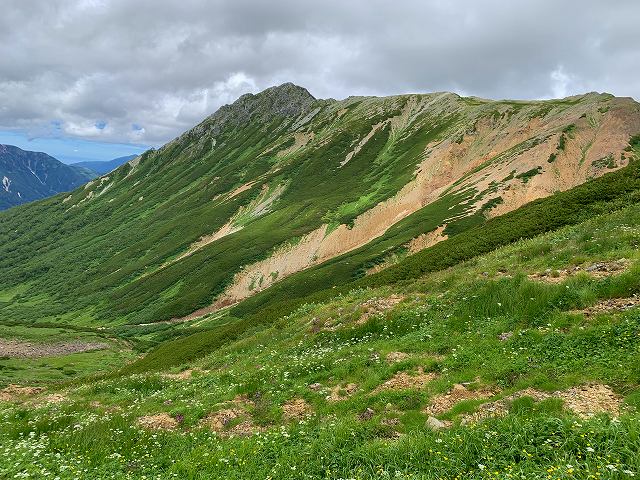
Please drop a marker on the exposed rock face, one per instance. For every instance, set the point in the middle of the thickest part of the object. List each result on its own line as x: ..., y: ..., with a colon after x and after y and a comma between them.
x: 287, y: 101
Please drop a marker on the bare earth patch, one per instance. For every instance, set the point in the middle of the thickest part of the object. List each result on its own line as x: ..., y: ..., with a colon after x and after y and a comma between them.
x: 427, y: 240
x: 585, y: 401
x: 445, y: 402
x: 596, y: 270
x: 20, y: 349
x: 53, y: 399
x: 296, y: 409
x: 611, y: 305
x: 161, y: 421
x: 339, y: 392
x: 231, y: 422
x: 184, y: 375
x: 404, y: 381
x: 14, y: 393
x: 375, y: 306
x: 241, y: 189
x: 395, y: 357
x: 588, y: 400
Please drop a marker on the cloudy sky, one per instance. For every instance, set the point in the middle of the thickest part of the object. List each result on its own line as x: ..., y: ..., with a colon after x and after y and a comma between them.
x: 95, y: 79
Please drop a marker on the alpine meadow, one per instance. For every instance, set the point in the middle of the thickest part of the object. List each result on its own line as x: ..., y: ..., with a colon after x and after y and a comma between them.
x: 415, y: 286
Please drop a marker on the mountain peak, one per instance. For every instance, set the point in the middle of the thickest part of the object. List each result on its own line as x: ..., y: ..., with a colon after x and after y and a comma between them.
x: 286, y: 100
x: 281, y: 101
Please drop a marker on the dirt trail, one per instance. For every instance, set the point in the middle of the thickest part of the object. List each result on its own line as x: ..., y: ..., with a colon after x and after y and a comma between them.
x: 601, y: 269
x: 611, y: 305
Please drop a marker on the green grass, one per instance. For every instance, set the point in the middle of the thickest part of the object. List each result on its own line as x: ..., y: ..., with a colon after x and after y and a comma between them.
x: 62, y: 369
x: 9, y: 294
x: 526, y: 176
x: 456, y: 314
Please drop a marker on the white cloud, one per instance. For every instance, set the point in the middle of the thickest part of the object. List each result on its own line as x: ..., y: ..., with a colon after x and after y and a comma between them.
x: 560, y: 82
x: 163, y: 65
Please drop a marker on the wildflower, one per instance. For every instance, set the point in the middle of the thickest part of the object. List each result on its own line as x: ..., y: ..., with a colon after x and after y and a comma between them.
x: 481, y: 466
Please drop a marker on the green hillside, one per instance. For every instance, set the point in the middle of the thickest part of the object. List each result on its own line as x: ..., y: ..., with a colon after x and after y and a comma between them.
x: 418, y: 287
x: 523, y: 356
x: 265, y: 178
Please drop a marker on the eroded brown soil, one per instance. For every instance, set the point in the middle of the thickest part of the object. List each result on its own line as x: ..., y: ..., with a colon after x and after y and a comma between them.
x: 443, y: 403
x: 404, y: 381
x: 584, y: 400
x: 296, y: 409
x: 13, y: 393
x: 340, y: 392
x: 160, y: 421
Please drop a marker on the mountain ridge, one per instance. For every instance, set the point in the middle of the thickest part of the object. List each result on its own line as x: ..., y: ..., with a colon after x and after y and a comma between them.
x: 280, y: 182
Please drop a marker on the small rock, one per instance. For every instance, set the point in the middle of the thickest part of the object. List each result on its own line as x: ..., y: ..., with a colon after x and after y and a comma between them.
x: 596, y: 267
x: 504, y: 336
x: 315, y: 386
x: 435, y: 424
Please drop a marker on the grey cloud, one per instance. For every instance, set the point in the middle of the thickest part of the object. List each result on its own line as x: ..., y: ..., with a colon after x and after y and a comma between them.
x: 165, y: 64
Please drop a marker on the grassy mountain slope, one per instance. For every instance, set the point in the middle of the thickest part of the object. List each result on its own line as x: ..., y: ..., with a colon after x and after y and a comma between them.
x: 280, y: 182
x: 482, y: 356
x: 530, y: 352
x: 27, y: 176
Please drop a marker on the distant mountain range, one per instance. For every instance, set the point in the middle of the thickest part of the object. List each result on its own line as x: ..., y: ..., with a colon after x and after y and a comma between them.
x: 105, y: 167
x: 28, y: 176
